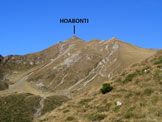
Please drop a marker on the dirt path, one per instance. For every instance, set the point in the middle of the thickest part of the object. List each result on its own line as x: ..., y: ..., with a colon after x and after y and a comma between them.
x: 39, y: 109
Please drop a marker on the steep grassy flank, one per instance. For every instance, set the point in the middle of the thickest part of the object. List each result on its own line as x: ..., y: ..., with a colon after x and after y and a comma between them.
x: 3, y: 84
x: 136, y: 97
x: 1, y: 71
x: 18, y: 107
x: 22, y: 107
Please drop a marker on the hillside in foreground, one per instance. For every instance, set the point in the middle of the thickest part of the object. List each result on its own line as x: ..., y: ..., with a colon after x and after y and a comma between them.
x: 136, y: 97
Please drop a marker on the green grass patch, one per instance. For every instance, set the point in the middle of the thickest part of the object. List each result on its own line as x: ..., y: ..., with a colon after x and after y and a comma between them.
x: 65, y: 111
x: 116, y: 109
x: 143, y: 105
x: 103, y: 108
x: 129, y: 77
x: 131, y: 108
x: 157, y: 75
x: 69, y: 118
x: 129, y: 115
x: 128, y: 95
x: 85, y: 101
x: 148, y: 91
x: 118, y: 80
x: 158, y: 61
x: 96, y: 117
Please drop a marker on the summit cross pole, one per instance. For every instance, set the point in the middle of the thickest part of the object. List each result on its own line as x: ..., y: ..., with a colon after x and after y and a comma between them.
x: 74, y: 29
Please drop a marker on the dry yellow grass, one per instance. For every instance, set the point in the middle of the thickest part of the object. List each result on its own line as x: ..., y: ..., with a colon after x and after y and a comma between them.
x: 78, y: 69
x: 139, y: 94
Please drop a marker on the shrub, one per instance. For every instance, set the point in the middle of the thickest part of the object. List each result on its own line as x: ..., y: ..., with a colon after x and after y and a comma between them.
x: 159, y: 61
x: 103, y: 108
x: 116, y: 109
x: 128, y: 95
x: 148, y: 92
x: 130, y: 77
x: 142, y: 105
x: 66, y: 111
x: 157, y: 75
x: 118, y: 80
x: 84, y: 101
x: 131, y: 108
x: 69, y: 118
x: 129, y: 115
x: 106, y: 88
x: 96, y: 117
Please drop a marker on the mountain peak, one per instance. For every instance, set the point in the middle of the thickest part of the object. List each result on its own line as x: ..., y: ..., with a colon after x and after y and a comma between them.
x: 74, y: 38
x: 114, y: 38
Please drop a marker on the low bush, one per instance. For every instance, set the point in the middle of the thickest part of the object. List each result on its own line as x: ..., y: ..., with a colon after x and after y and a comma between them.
x: 158, y: 61
x: 128, y: 95
x: 130, y: 77
x: 96, y: 117
x: 84, y: 101
x: 106, y: 88
x: 157, y: 75
x: 116, y: 109
x: 69, y: 118
x: 129, y: 115
x: 148, y: 91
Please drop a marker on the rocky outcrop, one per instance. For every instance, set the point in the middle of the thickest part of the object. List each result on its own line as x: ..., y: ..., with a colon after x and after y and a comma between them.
x: 1, y: 58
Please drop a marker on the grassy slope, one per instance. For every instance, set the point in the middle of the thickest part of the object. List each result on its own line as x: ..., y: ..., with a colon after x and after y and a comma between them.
x: 22, y: 107
x: 18, y: 107
x: 138, y: 89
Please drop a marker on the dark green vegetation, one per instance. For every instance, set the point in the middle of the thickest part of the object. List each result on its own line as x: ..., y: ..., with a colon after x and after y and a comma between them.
x: 3, y: 85
x: 158, y: 60
x: 138, y: 72
x: 69, y: 118
x: 18, y: 107
x: 130, y: 77
x: 85, y: 101
x: 22, y: 107
x: 106, y: 88
x: 158, y: 75
x: 148, y: 91
x: 96, y: 117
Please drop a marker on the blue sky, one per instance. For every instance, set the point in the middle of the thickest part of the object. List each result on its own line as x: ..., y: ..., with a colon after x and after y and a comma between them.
x: 28, y: 26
